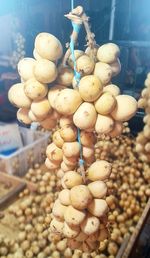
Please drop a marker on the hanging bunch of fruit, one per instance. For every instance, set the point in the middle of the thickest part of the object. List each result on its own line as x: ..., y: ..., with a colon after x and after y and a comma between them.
x: 77, y: 99
x: 143, y: 138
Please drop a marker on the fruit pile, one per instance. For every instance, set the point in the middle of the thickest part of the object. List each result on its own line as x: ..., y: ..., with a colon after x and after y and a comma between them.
x: 94, y: 106
x: 143, y: 138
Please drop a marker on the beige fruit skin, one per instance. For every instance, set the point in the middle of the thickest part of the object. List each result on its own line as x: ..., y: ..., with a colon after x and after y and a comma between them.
x: 90, y: 88
x: 116, y: 67
x: 26, y: 67
x: 105, y: 104
x: 117, y: 130
x: 64, y: 197
x: 74, y: 217
x: 45, y: 71
x: 59, y: 210
x: 88, y: 152
x: 70, y: 161
x: 48, y: 46
x: 57, y: 139
x: 68, y: 133
x: 17, y: 96
x: 112, y: 89
x: 70, y: 232
x: 85, y: 65
x: 90, y: 225
x: 71, y: 149
x: 56, y: 226
x: 104, y: 72
x: 54, y: 153
x: 33, y: 117
x: 108, y: 53
x: 53, y: 92
x: 72, y: 100
x: 88, y: 139
x: 65, y: 76
x: 98, y: 207
x: 126, y: 107
x: 49, y: 122
x: 104, y: 124
x: 51, y: 165
x: 66, y: 167
x: 99, y: 170
x: 80, y: 197
x: 41, y: 108
x: 98, y: 189
x: 77, y: 54
x: 71, y: 179
x: 35, y: 90
x: 36, y: 55
x: 65, y: 120
x: 22, y: 116
x: 85, y: 116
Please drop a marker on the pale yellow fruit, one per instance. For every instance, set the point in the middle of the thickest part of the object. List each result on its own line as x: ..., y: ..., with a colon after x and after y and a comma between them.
x: 85, y: 116
x: 51, y: 165
x: 35, y: 90
x: 33, y: 117
x: 49, y: 122
x: 117, y: 130
x: 74, y: 217
x: 104, y: 72
x: 64, y: 197
x: 45, y: 71
x: 90, y: 88
x: 105, y: 104
x: 71, y: 149
x: 98, y: 207
x: 26, y: 67
x: 68, y: 133
x: 48, y: 46
x: 98, y: 189
x: 126, y: 108
x: 80, y: 197
x: 41, y: 108
x: 36, y: 55
x: 88, y: 152
x: 56, y: 226
x: 54, y: 153
x: 104, y: 124
x: 77, y: 54
x: 116, y: 67
x: 70, y: 161
x: 99, y: 170
x: 66, y: 167
x: 90, y: 225
x: 88, y: 139
x: 71, y: 179
x: 53, y: 92
x: 57, y: 139
x: 65, y: 76
x: 108, y: 53
x: 59, y: 210
x: 112, y: 89
x: 85, y: 65
x: 67, y: 101
x: 17, y: 96
x: 65, y: 120
x: 142, y: 103
x: 70, y: 232
x: 22, y: 116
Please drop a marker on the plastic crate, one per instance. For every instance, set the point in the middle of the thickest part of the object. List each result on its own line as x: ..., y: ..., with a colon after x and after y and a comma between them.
x: 35, y: 143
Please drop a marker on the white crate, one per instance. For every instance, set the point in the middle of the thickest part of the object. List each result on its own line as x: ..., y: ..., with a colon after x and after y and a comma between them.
x: 35, y: 143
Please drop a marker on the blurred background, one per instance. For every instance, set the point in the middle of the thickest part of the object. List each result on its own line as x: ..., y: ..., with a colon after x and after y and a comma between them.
x: 125, y: 22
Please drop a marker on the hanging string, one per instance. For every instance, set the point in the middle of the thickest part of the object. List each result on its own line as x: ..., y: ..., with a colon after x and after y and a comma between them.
x: 72, y: 4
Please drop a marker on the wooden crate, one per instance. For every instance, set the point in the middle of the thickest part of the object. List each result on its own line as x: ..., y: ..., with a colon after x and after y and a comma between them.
x: 129, y: 243
x: 17, y: 185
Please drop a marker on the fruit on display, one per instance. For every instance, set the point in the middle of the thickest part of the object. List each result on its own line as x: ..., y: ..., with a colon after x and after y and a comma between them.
x: 78, y: 116
x: 143, y: 138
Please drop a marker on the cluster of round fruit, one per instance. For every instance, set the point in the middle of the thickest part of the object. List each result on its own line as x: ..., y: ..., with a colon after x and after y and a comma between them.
x: 143, y: 138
